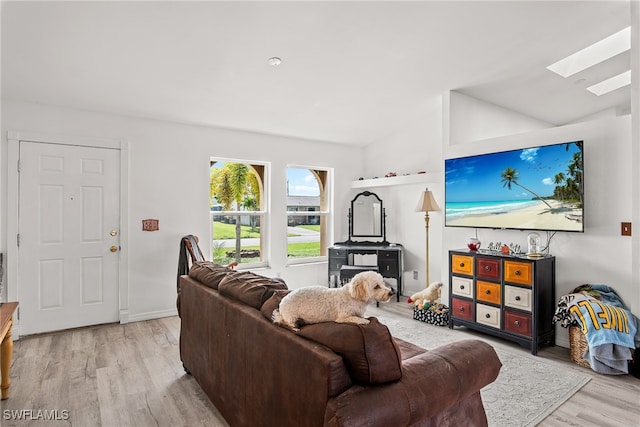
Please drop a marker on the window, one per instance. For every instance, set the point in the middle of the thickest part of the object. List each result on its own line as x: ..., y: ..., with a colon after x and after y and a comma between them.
x: 308, y: 213
x: 237, y: 201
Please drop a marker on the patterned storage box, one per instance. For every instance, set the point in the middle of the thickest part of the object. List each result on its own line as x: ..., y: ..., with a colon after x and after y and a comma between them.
x: 436, y: 314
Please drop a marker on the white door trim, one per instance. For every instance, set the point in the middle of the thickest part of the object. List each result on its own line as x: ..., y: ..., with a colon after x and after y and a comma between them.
x: 13, y: 156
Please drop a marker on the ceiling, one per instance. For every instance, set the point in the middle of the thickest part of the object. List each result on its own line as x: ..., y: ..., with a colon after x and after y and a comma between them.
x: 351, y: 72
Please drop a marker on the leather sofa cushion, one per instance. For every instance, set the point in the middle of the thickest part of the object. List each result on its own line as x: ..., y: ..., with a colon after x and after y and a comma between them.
x: 249, y: 288
x: 208, y: 273
x: 369, y: 351
x: 273, y: 302
x: 407, y: 349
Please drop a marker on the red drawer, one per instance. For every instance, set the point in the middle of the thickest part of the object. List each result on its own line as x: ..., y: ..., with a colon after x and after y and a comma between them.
x: 488, y: 268
x: 462, y: 309
x: 518, y: 323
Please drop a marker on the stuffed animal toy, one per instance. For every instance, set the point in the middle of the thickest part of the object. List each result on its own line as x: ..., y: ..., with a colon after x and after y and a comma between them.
x: 428, y: 295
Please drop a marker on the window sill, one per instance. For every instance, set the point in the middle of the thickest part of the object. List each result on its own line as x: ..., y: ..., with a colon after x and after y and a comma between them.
x: 307, y: 261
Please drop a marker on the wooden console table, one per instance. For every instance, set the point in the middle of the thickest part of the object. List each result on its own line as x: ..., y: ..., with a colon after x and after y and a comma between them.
x: 6, y: 348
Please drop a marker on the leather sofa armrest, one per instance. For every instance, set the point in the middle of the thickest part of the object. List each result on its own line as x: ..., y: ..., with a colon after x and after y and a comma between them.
x: 432, y: 383
x: 449, y: 373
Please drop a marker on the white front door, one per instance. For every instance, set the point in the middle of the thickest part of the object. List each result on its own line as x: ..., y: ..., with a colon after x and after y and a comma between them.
x: 68, y: 224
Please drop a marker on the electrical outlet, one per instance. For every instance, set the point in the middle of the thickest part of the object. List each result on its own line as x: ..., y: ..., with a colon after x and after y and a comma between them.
x: 625, y: 228
x: 415, y: 274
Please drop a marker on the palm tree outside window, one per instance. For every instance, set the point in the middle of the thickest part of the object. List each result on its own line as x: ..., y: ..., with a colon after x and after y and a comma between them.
x: 237, y: 195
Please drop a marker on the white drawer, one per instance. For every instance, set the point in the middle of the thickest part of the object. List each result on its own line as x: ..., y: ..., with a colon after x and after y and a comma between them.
x: 517, y: 298
x: 462, y: 286
x: 487, y: 315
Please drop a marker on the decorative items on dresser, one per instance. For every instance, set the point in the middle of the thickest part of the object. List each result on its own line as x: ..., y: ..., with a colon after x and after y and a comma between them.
x: 511, y: 296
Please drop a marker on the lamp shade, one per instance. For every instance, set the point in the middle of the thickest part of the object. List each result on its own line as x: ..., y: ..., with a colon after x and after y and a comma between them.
x: 427, y: 203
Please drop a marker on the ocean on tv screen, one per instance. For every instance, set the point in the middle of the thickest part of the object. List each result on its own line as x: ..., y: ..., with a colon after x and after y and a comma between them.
x: 537, y: 188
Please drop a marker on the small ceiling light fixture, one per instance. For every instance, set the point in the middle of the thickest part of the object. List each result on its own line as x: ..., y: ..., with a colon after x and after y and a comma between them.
x: 274, y: 61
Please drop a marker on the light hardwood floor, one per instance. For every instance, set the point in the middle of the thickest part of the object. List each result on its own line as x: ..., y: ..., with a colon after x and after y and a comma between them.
x: 131, y: 375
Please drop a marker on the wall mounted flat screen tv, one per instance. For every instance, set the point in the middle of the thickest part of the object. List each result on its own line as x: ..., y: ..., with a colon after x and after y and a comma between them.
x: 537, y: 188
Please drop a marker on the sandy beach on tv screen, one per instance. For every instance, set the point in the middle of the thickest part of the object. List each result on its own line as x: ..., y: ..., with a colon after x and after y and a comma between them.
x: 561, y: 216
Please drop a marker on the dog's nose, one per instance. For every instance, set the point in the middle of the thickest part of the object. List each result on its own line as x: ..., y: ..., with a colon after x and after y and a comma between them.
x: 392, y: 291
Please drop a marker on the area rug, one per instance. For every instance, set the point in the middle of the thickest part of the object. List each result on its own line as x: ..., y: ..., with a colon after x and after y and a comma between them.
x: 528, y: 388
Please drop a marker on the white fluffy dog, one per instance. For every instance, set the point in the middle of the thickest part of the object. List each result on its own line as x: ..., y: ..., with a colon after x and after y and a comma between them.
x: 315, y: 304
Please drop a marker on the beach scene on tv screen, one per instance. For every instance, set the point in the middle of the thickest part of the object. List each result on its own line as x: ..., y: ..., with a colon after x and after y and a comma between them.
x: 537, y: 188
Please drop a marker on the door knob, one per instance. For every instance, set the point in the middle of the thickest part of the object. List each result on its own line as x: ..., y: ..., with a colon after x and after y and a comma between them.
x: 113, y: 233
x: 113, y: 248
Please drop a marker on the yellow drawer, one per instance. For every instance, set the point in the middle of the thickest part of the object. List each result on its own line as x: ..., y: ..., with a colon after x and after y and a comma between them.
x: 518, y: 272
x: 488, y: 292
x: 462, y: 264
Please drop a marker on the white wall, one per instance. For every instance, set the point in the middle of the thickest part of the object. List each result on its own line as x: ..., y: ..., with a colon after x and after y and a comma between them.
x: 635, y: 148
x: 417, y: 147
x: 169, y: 180
x: 599, y: 255
x: 470, y: 119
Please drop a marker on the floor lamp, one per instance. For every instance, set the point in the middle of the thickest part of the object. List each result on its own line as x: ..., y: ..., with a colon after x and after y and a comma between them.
x: 427, y: 204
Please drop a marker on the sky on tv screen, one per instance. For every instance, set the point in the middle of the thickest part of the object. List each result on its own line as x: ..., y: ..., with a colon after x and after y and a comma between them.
x: 475, y: 184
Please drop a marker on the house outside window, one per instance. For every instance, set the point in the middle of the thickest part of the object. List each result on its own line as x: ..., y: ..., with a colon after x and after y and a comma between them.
x: 237, y: 211
x: 308, y: 213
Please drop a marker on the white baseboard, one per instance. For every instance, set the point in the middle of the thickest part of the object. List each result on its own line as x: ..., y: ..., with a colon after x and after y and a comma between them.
x: 152, y: 315
x: 560, y: 342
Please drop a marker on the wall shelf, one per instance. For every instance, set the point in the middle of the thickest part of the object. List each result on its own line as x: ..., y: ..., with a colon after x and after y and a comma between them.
x: 430, y: 177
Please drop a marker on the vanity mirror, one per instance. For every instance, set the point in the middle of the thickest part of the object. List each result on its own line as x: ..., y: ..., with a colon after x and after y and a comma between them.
x: 367, y: 248
x: 367, y: 217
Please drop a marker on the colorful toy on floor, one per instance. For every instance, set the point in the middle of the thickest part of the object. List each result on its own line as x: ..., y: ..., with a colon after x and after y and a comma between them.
x: 429, y: 295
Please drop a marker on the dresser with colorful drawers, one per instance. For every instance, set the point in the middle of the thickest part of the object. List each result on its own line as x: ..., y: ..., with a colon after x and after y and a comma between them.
x: 508, y: 296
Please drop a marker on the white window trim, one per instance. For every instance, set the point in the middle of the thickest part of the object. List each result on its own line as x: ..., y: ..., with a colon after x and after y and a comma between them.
x: 265, y: 213
x: 329, y: 214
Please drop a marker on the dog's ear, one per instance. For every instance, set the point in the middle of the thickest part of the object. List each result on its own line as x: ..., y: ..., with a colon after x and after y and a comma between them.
x: 360, y: 288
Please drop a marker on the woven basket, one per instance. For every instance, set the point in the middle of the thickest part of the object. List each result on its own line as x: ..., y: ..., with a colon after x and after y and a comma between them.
x: 577, y: 346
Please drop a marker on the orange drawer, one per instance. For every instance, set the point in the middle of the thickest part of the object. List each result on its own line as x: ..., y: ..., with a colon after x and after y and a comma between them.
x: 462, y: 264
x: 518, y: 272
x: 488, y: 268
x: 462, y: 309
x: 488, y: 292
x: 518, y: 323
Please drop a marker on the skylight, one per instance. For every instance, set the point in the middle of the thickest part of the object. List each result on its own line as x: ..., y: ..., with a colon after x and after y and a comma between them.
x: 611, y: 84
x: 591, y: 55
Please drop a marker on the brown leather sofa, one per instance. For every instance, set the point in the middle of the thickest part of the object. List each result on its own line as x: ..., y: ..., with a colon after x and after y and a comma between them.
x: 260, y: 374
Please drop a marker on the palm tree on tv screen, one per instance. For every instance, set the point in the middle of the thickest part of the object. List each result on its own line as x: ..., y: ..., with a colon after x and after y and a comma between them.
x: 510, y: 176
x: 569, y: 184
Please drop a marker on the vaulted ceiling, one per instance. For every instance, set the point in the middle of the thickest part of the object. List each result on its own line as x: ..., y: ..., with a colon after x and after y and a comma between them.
x: 351, y: 72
